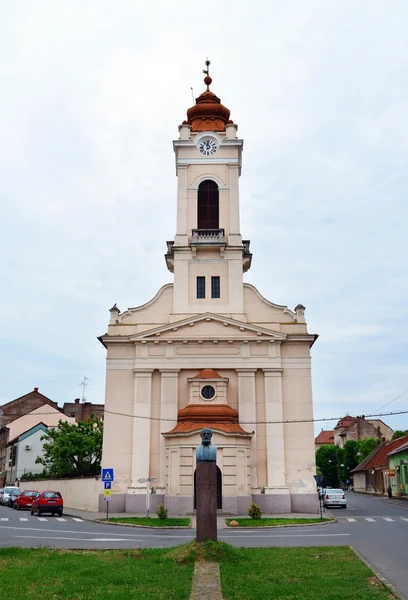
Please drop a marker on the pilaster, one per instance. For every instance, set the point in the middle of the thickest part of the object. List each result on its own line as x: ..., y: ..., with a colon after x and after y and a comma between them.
x: 141, y: 426
x: 275, y: 441
x: 168, y: 414
x: 234, y: 238
x: 247, y: 416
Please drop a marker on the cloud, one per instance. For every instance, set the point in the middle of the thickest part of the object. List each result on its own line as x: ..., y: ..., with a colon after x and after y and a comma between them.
x: 92, y: 97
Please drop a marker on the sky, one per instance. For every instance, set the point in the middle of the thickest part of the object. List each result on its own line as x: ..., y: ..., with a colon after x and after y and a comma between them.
x: 91, y: 97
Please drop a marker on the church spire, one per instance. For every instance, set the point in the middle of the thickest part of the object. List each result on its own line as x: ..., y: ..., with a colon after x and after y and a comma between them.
x: 208, y: 114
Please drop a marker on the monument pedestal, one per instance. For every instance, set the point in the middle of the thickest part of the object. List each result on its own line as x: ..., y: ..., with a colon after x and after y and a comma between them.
x: 206, y: 501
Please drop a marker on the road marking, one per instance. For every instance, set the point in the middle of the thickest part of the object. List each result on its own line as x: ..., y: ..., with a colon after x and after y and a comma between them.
x: 146, y: 537
x: 78, y: 520
x: 61, y: 519
x: 292, y: 535
x: 49, y: 537
x: 404, y: 518
x: 23, y: 519
x: 352, y: 520
x: 370, y: 520
x: 4, y: 519
x: 388, y: 519
x: 41, y: 519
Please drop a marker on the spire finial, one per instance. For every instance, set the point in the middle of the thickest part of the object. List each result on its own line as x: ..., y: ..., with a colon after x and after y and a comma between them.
x: 207, y: 78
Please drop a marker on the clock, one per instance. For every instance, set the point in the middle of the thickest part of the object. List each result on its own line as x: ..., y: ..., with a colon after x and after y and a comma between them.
x: 208, y: 146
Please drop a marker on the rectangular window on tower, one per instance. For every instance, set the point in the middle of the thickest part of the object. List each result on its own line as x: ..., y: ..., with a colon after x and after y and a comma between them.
x: 200, y: 287
x: 215, y: 287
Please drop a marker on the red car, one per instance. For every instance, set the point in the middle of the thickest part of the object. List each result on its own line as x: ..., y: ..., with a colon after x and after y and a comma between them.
x: 50, y: 502
x: 24, y: 500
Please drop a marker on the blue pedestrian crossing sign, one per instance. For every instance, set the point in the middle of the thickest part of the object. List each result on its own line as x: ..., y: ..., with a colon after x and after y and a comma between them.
x: 107, y: 474
x: 107, y: 485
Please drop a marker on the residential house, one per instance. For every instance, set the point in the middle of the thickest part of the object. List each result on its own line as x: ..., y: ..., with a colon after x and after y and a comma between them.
x: 82, y: 411
x: 360, y: 428
x: 325, y: 437
x: 372, y: 475
x: 23, y: 452
x: 398, y: 470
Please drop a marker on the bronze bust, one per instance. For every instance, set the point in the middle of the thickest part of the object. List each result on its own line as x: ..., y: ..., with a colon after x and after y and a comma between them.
x: 206, y: 452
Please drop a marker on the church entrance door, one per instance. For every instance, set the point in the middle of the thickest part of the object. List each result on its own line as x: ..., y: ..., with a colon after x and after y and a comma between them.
x: 219, y: 489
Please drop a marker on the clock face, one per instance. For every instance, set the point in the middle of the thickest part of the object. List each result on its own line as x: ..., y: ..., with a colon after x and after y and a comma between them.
x: 208, y: 147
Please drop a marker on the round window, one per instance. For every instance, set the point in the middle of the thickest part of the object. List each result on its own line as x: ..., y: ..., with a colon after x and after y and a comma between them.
x: 208, y: 392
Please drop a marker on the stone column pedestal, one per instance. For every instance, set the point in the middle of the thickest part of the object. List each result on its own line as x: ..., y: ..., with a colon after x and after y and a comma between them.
x: 206, y: 501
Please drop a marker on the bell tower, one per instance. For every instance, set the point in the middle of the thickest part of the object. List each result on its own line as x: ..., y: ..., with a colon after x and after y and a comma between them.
x: 208, y: 256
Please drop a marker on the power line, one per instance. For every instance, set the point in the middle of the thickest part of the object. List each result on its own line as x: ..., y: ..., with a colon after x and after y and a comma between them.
x: 388, y: 403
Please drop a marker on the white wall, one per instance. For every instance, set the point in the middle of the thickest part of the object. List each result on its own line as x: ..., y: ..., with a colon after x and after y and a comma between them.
x: 81, y: 493
x: 26, y: 458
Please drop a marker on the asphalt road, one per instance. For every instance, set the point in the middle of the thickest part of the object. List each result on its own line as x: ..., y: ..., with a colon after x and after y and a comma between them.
x: 376, y: 527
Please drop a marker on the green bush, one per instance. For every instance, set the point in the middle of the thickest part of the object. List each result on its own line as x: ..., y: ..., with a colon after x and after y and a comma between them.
x: 254, y: 511
x: 162, y: 511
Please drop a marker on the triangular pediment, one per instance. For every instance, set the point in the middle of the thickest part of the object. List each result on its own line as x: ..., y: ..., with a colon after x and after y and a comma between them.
x: 209, y: 326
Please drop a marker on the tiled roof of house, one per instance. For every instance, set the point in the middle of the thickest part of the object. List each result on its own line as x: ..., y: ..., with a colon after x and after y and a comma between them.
x: 378, y: 457
x: 402, y: 448
x: 325, y: 437
x: 207, y: 374
x: 345, y: 421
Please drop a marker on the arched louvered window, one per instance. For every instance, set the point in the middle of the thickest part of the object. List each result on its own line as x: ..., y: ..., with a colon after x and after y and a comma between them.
x: 208, y: 205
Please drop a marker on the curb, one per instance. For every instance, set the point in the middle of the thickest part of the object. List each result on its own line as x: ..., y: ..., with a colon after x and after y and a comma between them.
x: 142, y: 526
x: 379, y: 576
x: 287, y: 525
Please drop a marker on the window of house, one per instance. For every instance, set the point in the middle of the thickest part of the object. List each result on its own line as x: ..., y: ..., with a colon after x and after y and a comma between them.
x: 200, y: 287
x: 208, y: 205
x: 215, y: 287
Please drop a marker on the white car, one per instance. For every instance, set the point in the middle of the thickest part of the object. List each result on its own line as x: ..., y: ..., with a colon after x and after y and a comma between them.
x: 6, y: 493
x: 334, y: 497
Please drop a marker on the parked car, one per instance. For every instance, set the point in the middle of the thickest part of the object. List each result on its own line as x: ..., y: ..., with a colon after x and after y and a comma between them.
x: 12, y: 496
x: 334, y: 497
x: 6, y: 493
x: 25, y: 499
x: 1, y: 493
x: 50, y: 502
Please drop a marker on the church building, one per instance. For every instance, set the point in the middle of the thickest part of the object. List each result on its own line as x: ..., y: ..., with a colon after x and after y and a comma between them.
x: 209, y: 351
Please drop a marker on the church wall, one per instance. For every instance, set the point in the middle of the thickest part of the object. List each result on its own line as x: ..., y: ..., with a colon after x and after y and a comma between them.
x: 259, y: 310
x: 217, y: 268
x: 295, y: 350
x: 117, y: 438
x: 155, y: 311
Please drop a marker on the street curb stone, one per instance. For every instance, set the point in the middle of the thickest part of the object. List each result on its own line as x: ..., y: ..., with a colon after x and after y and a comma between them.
x: 206, y: 582
x: 379, y: 576
x: 283, y: 525
x: 142, y: 526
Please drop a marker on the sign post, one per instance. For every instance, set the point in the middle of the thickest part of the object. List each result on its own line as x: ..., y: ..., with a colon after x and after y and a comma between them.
x: 107, y: 478
x: 147, y: 482
x: 319, y: 482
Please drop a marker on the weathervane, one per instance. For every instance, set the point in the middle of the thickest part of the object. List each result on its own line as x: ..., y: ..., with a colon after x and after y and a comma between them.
x: 207, y: 78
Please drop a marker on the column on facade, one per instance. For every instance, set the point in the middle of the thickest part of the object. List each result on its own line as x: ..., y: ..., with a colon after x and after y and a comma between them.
x: 181, y: 236
x: 275, y: 439
x: 142, y: 402
x: 247, y: 416
x: 168, y: 414
x: 234, y: 225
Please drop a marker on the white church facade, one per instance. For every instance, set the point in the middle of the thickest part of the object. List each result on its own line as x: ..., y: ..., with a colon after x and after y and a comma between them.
x: 209, y: 351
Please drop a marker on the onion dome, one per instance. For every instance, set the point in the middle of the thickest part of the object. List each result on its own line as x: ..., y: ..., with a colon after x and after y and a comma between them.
x: 208, y: 114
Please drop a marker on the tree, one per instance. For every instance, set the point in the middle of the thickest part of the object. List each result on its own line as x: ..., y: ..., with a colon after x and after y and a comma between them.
x: 365, y: 447
x: 397, y: 434
x: 326, y: 461
x: 73, y: 449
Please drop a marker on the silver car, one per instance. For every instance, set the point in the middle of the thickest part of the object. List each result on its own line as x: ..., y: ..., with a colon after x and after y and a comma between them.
x: 6, y: 493
x: 334, y: 497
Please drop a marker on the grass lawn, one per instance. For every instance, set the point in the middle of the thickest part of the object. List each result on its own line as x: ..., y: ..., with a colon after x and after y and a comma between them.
x: 152, y: 522
x: 318, y: 573
x: 92, y: 575
x: 264, y: 522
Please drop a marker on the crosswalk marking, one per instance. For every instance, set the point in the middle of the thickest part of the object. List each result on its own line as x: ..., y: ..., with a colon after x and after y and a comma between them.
x: 4, y: 519
x: 41, y: 519
x: 370, y: 520
x: 352, y: 520
x: 404, y: 518
x: 23, y: 519
x: 388, y: 519
x: 81, y: 520
x: 60, y: 519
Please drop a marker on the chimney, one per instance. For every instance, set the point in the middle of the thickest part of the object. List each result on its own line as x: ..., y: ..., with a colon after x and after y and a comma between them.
x: 36, y: 390
x: 76, y: 400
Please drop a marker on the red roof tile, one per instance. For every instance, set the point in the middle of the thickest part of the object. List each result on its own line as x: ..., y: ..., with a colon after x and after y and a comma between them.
x: 195, y: 417
x: 379, y: 459
x: 325, y: 437
x: 207, y: 374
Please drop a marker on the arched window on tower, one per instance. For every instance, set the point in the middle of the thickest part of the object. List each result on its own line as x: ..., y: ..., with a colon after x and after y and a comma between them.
x: 208, y: 205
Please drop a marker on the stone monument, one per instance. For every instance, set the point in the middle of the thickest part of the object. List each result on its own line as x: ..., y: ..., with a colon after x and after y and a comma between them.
x: 206, y: 488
